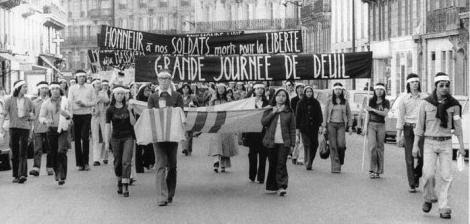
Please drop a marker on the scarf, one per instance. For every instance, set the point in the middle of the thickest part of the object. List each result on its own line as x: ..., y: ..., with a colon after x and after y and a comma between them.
x: 442, y: 107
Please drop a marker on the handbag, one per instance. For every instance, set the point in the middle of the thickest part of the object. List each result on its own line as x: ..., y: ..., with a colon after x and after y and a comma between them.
x: 324, y: 147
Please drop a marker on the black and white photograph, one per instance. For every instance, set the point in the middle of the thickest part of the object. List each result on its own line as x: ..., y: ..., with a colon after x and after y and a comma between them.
x: 234, y: 111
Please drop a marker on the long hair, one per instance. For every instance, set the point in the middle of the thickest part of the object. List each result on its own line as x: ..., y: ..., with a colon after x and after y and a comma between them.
x: 408, y: 89
x: 140, y: 93
x: 286, y: 104
x: 222, y: 96
x: 16, y: 92
x: 341, y: 97
x: 183, y: 86
x: 373, y: 101
x: 113, y: 101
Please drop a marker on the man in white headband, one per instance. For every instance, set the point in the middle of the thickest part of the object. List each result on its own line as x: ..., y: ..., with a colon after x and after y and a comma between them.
x: 20, y: 111
x: 408, y: 108
x: 98, y: 121
x: 165, y: 151
x: 40, y: 132
x: 82, y: 99
x: 438, y: 116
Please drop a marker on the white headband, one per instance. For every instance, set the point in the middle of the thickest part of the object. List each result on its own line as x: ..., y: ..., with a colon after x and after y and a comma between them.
x: 164, y: 75
x: 415, y: 79
x: 96, y: 81
x: 80, y: 74
x: 19, y: 84
x: 54, y: 86
x: 338, y: 87
x: 120, y: 89
x: 379, y: 87
x: 259, y: 85
x: 441, y: 78
x: 42, y: 86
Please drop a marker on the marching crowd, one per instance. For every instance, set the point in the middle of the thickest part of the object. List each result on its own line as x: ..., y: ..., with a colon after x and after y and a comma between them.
x: 73, y: 111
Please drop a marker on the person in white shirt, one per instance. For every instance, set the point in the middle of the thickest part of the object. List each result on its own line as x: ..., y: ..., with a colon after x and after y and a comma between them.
x: 98, y: 122
x: 82, y: 99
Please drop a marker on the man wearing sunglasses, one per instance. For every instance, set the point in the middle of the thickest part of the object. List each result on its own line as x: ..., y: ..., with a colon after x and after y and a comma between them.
x: 439, y: 114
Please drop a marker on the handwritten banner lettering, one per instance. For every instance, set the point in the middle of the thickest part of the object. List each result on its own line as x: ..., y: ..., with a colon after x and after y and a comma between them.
x: 113, y: 58
x: 228, y: 43
x: 256, y: 67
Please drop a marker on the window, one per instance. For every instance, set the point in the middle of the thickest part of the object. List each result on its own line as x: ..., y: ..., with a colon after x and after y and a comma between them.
x: 443, y: 62
x: 150, y: 23
x: 90, y: 32
x: 163, y: 3
x: 184, y: 3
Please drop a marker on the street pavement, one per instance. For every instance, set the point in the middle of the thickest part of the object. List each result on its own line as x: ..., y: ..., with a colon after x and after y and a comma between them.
x: 203, y: 196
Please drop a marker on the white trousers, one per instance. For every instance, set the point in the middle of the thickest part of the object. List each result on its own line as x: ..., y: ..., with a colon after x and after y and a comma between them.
x: 99, y: 152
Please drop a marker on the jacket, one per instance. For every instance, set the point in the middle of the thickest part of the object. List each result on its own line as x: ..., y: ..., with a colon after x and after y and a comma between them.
x: 11, y: 108
x: 309, y: 115
x: 269, y: 121
x: 347, y: 116
x: 175, y: 100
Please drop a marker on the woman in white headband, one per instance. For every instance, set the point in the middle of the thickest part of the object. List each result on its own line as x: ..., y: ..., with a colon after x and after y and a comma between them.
x: 378, y: 109
x: 20, y: 110
x: 337, y: 119
x: 122, y: 137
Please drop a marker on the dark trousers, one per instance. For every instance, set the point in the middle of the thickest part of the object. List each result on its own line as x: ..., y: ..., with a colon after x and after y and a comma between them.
x: 123, y: 151
x: 144, y: 157
x: 413, y: 173
x: 58, y: 145
x: 82, y: 138
x: 19, y: 151
x: 310, y: 141
x: 257, y: 152
x: 277, y: 173
x: 166, y: 169
x: 40, y: 143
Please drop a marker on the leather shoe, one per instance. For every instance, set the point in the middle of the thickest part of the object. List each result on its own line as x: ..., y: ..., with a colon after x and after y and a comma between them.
x: 427, y: 206
x: 16, y: 180
x: 61, y: 182
x: 163, y: 203
x: 445, y: 215
x: 170, y: 199
x: 96, y: 163
x: 34, y: 173
x: 22, y: 180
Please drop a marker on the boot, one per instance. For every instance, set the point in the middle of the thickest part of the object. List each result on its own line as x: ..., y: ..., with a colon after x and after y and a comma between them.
x: 119, y: 191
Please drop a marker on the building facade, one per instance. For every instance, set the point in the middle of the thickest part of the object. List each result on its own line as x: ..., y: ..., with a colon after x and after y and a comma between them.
x: 316, y: 27
x: 30, y: 41
x: 85, y: 18
x: 342, y: 28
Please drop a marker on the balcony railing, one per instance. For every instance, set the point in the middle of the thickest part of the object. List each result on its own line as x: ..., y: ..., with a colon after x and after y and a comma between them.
x: 255, y: 24
x: 441, y: 20
x: 99, y: 13
x: 55, y: 16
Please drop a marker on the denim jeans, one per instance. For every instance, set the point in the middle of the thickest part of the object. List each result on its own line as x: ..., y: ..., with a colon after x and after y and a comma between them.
x: 81, y: 126
x: 277, y: 173
x: 41, y: 142
x: 19, y: 151
x: 58, y: 145
x: 413, y: 171
x: 123, y: 151
x: 166, y: 160
x: 434, y: 150
x: 337, y: 141
x: 375, y: 139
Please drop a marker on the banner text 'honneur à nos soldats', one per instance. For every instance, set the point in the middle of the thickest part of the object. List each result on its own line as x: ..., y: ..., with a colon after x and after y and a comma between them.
x: 256, y: 67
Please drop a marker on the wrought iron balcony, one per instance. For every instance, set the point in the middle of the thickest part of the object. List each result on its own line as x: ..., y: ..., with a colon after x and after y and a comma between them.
x: 55, y: 16
x: 446, y: 19
x: 255, y: 24
x: 99, y: 13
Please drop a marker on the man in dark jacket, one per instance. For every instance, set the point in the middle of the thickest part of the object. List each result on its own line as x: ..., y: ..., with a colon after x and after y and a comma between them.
x: 308, y: 119
x: 165, y: 151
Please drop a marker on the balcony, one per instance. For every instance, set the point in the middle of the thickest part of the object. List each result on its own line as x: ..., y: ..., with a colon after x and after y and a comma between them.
x: 55, y: 16
x: 99, y: 13
x: 255, y: 24
x: 442, y: 20
x: 9, y: 4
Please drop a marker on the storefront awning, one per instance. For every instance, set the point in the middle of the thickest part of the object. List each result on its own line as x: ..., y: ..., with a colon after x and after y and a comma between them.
x: 16, y: 63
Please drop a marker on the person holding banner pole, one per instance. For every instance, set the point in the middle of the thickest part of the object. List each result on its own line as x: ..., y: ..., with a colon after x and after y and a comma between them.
x: 279, y: 138
x: 378, y: 109
x: 439, y: 117
x: 408, y: 108
x: 165, y: 151
x: 337, y: 120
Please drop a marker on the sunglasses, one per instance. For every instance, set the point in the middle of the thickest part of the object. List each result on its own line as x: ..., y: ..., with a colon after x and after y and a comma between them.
x: 442, y: 85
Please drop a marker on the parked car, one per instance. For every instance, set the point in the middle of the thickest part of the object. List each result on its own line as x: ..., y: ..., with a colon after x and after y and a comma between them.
x: 464, y: 102
x: 357, y: 100
x: 391, y: 119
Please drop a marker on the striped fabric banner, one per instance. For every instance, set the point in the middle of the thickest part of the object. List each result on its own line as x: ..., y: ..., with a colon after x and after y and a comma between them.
x: 160, y: 125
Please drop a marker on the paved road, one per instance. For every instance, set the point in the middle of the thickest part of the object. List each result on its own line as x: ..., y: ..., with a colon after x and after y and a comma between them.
x: 206, y: 197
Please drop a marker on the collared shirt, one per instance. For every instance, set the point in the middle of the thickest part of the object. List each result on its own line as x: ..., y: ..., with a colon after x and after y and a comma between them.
x: 430, y: 126
x: 38, y: 126
x: 408, y: 109
x: 86, y: 94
